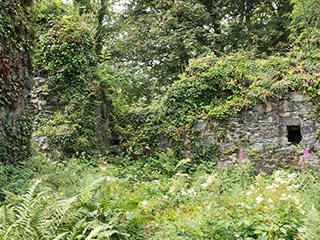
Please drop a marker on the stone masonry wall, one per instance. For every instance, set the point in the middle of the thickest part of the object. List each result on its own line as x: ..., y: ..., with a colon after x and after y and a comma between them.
x: 263, y: 134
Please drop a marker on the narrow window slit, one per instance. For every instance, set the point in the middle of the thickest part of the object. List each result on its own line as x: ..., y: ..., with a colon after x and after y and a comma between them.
x: 294, y: 134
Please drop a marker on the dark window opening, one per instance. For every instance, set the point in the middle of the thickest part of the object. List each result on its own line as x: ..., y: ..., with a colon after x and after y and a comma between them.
x: 115, y: 142
x: 294, y: 134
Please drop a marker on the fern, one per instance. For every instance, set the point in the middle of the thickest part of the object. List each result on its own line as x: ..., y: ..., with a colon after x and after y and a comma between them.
x: 89, y: 186
x: 311, y: 228
x: 39, y: 215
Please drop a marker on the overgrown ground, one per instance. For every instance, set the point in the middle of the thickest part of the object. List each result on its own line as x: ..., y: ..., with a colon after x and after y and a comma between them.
x: 122, y: 199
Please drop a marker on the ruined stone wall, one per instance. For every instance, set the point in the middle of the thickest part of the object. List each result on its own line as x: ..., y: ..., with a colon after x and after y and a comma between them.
x: 15, y: 81
x: 276, y: 133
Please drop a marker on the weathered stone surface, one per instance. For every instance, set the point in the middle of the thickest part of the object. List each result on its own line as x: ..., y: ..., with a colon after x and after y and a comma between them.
x: 164, y: 142
x: 269, y: 107
x: 286, y: 106
x: 257, y: 147
x: 297, y: 97
x: 291, y: 121
x: 280, y: 141
x: 200, y: 125
x: 264, y: 130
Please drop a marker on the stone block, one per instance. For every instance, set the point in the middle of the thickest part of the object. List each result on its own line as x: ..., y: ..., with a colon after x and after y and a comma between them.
x: 290, y: 121
x: 257, y: 147
x: 260, y: 108
x: 250, y: 117
x: 273, y: 119
x: 280, y: 141
x: 297, y: 97
x: 200, y: 125
x: 285, y: 114
x: 269, y: 107
x: 205, y: 141
x: 286, y: 106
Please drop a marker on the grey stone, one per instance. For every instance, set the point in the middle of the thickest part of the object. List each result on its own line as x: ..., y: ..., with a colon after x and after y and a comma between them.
x: 269, y: 107
x: 164, y: 142
x: 260, y: 108
x: 286, y: 106
x: 205, y: 141
x: 200, y: 125
x: 263, y: 128
x: 257, y: 147
x: 280, y: 141
x: 288, y: 121
x: 285, y: 114
x: 297, y: 97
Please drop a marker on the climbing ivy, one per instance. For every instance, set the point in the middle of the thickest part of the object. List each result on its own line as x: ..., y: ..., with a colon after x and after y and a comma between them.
x: 217, y: 88
x: 65, y: 56
x: 15, y: 70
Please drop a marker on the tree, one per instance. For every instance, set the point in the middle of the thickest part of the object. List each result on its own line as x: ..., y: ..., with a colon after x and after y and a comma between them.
x: 158, y: 38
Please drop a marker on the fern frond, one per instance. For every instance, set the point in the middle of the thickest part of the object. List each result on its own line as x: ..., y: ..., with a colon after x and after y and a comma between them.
x: 58, y: 217
x: 79, y: 230
x: 60, y: 236
x: 89, y: 186
x: 311, y: 228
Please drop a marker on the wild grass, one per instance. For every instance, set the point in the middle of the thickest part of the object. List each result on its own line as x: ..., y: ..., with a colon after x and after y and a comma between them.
x: 43, y: 199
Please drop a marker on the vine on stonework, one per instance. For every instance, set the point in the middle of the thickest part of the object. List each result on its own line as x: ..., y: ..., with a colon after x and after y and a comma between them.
x: 15, y: 68
x: 15, y: 47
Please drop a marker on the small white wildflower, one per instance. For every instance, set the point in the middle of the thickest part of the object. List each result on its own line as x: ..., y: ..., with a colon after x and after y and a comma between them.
x: 183, y: 193
x: 270, y: 200
x: 292, y: 176
x: 204, y: 185
x: 191, y: 191
x: 210, y: 179
x: 208, y: 182
x: 283, y: 197
x: 259, y: 199
x: 94, y: 213
x: 110, y: 179
x: 102, y: 168
x: 171, y: 190
x: 145, y: 203
x: 248, y: 193
x: 269, y: 187
x: 280, y: 180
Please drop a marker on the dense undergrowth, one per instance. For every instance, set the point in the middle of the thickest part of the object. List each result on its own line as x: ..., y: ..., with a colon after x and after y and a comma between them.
x: 131, y: 188
x: 123, y: 199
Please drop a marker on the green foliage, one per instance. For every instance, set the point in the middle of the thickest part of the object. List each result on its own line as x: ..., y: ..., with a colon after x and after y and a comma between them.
x: 222, y: 87
x: 41, y: 215
x: 155, y: 200
x: 311, y: 228
x: 157, y: 39
x: 66, y: 52
x: 15, y: 71
x: 305, y: 25
x: 15, y: 146
x: 305, y: 15
x: 65, y: 55
x: 14, y: 55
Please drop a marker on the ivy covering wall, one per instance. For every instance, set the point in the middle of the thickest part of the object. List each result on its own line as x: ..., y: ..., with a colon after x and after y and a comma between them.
x: 15, y: 71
